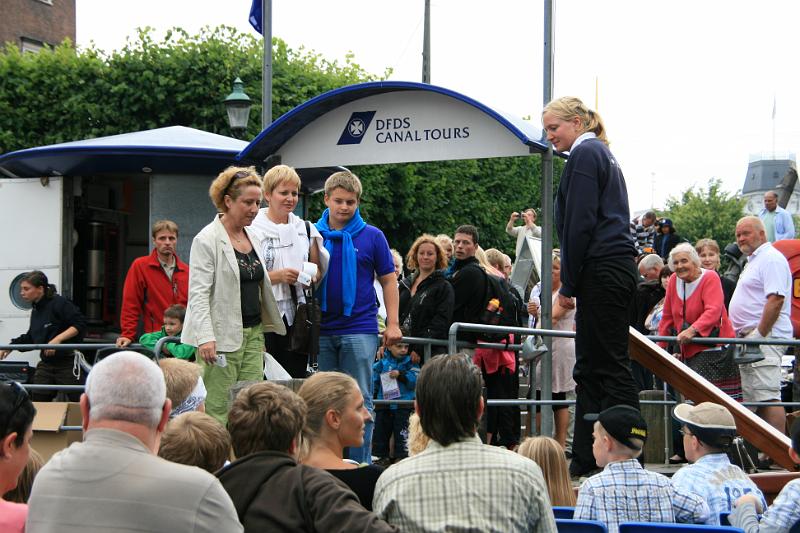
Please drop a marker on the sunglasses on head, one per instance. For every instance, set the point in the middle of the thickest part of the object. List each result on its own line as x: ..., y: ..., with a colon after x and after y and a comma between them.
x: 19, y: 395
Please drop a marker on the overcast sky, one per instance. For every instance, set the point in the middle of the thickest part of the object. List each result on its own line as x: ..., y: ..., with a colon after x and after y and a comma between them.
x: 686, y: 88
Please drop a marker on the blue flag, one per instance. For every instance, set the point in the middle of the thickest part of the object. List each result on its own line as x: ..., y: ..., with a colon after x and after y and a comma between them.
x: 256, y: 16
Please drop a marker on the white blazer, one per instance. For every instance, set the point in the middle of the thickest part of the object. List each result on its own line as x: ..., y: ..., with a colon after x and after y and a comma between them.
x: 214, y: 312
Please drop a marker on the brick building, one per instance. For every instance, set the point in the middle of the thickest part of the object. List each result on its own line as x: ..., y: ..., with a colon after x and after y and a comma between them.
x: 31, y: 24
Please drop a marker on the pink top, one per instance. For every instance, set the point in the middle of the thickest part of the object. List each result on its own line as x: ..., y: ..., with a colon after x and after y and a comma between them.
x: 12, y: 517
x: 705, y: 310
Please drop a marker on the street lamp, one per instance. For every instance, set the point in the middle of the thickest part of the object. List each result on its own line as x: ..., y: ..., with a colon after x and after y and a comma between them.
x: 238, y: 104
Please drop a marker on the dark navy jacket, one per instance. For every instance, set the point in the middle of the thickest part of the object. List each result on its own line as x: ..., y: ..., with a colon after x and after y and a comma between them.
x: 591, y: 212
x: 49, y: 317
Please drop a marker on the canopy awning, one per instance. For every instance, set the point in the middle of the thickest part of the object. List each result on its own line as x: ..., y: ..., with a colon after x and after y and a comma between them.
x: 170, y: 150
x: 391, y: 122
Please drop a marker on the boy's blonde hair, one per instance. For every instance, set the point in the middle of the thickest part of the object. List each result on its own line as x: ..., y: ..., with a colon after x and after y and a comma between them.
x: 181, y: 378
x: 345, y: 180
x: 196, y: 439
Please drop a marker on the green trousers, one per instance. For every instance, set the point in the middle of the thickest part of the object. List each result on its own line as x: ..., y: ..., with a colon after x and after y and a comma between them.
x: 245, y: 364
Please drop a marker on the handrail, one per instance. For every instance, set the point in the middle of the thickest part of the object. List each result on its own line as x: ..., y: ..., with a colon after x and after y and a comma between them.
x: 160, y: 343
x: 695, y: 387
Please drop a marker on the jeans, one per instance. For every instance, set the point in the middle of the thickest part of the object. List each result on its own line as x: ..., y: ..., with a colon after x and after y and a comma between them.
x: 353, y: 354
x: 602, y: 364
x: 390, y: 422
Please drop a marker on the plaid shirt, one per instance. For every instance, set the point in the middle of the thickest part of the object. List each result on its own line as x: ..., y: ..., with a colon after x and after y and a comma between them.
x: 626, y: 492
x: 780, y: 517
x: 466, y: 486
x: 718, y: 482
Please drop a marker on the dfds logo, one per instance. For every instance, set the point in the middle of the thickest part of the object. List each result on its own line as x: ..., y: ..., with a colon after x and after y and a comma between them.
x: 356, y: 127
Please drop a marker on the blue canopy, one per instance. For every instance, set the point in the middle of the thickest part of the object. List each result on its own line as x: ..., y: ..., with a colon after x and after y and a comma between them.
x: 311, y: 134
x: 170, y: 150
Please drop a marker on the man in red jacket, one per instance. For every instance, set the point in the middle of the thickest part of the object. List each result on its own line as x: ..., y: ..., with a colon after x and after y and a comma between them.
x: 154, y: 282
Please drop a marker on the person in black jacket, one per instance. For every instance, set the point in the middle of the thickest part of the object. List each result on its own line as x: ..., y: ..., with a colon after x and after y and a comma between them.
x: 597, y: 266
x: 666, y: 239
x: 468, y: 280
x: 426, y: 297
x: 54, y: 320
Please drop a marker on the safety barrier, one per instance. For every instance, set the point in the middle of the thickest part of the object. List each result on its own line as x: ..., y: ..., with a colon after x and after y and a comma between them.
x: 453, y: 345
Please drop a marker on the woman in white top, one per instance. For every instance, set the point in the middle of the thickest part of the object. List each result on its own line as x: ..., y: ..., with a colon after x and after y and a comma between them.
x: 286, y: 246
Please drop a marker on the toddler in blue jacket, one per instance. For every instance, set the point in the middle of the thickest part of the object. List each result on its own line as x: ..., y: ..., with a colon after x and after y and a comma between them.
x: 394, y: 378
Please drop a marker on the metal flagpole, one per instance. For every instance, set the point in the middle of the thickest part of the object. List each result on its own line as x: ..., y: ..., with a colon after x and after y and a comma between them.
x: 547, y: 230
x: 266, y: 70
x: 426, y: 44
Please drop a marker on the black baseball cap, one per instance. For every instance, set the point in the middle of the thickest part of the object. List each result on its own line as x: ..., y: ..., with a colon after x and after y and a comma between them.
x: 622, y: 422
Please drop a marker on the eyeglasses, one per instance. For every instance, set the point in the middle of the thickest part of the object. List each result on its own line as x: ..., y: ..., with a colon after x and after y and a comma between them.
x: 238, y: 175
x: 685, y: 433
x: 20, y: 395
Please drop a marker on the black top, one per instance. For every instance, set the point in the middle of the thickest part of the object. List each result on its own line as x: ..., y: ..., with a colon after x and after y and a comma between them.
x: 49, y: 317
x: 648, y: 294
x: 361, y: 480
x: 429, y: 312
x: 663, y: 244
x: 251, y: 274
x: 469, y: 290
x: 591, y: 212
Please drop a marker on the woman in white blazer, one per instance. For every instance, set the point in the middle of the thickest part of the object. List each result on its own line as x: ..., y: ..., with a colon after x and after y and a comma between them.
x: 231, y: 303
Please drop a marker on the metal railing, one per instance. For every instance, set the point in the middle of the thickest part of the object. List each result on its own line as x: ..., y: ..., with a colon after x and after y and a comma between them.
x: 453, y: 345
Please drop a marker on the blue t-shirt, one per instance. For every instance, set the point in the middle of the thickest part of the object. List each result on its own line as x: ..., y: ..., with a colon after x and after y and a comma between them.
x: 373, y: 257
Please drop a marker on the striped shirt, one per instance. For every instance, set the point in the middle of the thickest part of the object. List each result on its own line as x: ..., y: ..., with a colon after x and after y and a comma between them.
x: 717, y: 481
x: 466, y: 486
x: 782, y: 515
x: 626, y: 492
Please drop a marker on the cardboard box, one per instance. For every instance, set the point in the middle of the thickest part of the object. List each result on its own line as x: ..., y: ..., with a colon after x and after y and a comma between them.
x: 48, y: 437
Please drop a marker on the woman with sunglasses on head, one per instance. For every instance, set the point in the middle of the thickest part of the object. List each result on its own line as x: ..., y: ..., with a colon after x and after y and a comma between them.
x: 231, y: 304
x: 54, y: 320
x: 16, y: 430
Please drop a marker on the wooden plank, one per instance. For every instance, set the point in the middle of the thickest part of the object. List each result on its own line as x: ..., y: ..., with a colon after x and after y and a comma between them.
x: 693, y: 386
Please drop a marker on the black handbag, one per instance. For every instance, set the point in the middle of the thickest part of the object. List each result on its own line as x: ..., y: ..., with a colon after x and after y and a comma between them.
x: 304, y: 338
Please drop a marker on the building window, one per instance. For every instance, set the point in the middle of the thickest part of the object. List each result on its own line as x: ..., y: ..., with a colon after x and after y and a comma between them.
x: 30, y: 45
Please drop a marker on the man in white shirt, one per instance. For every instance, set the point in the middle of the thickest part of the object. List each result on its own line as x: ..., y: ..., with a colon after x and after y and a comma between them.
x: 760, y: 309
x: 778, y: 222
x: 528, y: 229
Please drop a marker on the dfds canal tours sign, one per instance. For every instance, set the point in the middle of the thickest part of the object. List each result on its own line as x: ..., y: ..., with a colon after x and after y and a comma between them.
x: 392, y: 122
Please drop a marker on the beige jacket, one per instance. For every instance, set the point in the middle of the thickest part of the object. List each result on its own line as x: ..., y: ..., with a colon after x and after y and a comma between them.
x: 214, y: 312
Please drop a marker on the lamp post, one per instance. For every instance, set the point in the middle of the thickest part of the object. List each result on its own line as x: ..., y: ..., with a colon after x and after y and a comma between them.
x: 238, y: 104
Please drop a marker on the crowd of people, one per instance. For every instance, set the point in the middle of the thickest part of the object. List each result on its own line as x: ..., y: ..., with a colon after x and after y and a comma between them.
x: 303, y: 461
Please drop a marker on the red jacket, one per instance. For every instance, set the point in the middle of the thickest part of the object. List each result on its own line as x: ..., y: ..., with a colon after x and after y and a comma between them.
x: 705, y: 310
x: 148, y: 292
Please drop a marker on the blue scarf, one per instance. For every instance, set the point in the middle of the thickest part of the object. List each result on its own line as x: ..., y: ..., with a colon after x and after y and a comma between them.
x: 349, y: 263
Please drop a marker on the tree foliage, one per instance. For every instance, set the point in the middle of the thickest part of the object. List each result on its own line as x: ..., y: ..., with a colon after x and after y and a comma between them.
x: 411, y: 199
x: 64, y: 94
x: 706, y: 213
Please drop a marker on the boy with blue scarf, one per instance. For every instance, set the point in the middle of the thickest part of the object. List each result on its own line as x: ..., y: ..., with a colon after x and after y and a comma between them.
x: 349, y: 330
x: 399, y: 374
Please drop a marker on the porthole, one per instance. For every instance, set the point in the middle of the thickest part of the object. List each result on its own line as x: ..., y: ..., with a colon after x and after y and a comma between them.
x: 14, y: 293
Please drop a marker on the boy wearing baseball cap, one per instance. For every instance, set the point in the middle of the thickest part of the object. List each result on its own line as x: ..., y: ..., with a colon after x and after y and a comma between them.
x: 784, y: 513
x: 708, y: 429
x: 624, y: 491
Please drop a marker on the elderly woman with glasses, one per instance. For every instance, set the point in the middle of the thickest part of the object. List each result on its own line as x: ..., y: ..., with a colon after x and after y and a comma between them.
x: 231, y: 304
x: 694, y: 307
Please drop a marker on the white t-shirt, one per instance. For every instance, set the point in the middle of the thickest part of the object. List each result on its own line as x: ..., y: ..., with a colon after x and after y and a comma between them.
x: 767, y: 272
